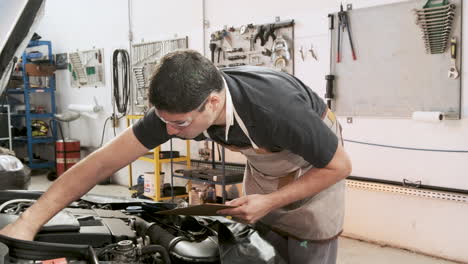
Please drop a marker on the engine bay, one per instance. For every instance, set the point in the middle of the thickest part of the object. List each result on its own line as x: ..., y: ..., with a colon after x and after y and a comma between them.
x: 101, y: 229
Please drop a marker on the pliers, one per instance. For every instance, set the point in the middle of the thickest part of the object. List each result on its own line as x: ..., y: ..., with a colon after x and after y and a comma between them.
x: 343, y: 24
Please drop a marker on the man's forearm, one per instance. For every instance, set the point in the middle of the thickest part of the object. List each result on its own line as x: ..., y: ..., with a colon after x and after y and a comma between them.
x: 67, y: 188
x: 75, y: 182
x: 312, y: 182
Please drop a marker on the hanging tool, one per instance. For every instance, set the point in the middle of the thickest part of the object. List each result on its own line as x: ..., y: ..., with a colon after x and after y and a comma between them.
x: 435, y: 20
x: 252, y: 43
x: 302, y: 53
x: 233, y: 50
x: 236, y: 64
x: 219, y: 49
x: 453, y: 71
x: 212, y: 49
x: 243, y: 29
x: 280, y: 54
x: 264, y: 32
x: 237, y: 57
x: 330, y: 77
x: 312, y: 52
x: 343, y: 25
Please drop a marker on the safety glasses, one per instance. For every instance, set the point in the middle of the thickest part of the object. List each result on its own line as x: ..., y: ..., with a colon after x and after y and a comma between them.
x: 183, y: 123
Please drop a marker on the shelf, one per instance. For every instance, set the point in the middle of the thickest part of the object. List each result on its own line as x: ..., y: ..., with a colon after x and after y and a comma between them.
x: 134, y: 117
x: 148, y: 159
x: 170, y: 197
x: 35, y: 43
x: 36, y: 139
x: 163, y: 197
x: 31, y: 90
x: 41, y: 164
x: 46, y: 115
x: 203, y: 180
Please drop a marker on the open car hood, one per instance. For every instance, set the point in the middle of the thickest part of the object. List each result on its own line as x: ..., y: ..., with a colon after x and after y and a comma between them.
x: 18, y: 20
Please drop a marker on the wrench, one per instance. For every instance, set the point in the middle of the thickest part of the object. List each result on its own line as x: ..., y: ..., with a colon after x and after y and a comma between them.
x: 435, y: 18
x: 438, y: 28
x: 453, y: 71
x: 441, y: 15
x: 433, y: 36
x: 438, y: 20
x: 435, y: 25
x: 439, y: 49
x: 435, y: 12
x: 448, y: 15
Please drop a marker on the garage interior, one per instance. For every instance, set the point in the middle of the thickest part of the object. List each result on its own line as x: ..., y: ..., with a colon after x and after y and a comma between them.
x: 397, y: 91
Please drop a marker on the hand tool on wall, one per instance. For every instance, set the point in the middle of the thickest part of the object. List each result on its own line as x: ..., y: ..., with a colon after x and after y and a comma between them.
x: 330, y: 77
x: 236, y: 64
x: 343, y: 25
x: 212, y: 49
x: 453, y: 71
x: 264, y: 32
x: 233, y: 50
x: 312, y: 52
x: 435, y: 21
x: 219, y: 49
x: 280, y: 54
x: 259, y: 35
x: 237, y: 57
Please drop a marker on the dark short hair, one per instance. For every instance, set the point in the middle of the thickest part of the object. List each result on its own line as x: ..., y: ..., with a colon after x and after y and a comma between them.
x: 182, y: 80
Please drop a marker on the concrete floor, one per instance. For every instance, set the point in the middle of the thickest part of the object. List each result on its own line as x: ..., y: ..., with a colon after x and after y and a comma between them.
x: 350, y: 251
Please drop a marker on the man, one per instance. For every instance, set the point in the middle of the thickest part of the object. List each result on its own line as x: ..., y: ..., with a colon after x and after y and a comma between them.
x: 296, y: 162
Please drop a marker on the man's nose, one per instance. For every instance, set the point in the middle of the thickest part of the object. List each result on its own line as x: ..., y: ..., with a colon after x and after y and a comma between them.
x: 172, y: 130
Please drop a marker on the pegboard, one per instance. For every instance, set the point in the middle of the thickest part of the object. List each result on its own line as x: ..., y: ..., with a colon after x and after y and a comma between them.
x: 86, y: 68
x: 393, y: 75
x: 145, y: 57
x: 268, y: 45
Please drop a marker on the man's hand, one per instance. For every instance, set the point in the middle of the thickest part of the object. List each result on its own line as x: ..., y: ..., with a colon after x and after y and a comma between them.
x: 18, y: 231
x: 251, y: 208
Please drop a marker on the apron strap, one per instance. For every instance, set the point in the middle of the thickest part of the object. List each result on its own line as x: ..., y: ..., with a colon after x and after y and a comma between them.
x: 243, y: 127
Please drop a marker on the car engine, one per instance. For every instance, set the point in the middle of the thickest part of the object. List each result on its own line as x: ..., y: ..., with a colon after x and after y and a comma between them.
x: 98, y: 229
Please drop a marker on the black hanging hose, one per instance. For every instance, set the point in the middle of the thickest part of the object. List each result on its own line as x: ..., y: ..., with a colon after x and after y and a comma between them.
x: 121, y: 80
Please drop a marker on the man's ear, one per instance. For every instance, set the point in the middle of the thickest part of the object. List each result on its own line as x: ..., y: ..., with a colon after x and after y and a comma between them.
x: 215, y: 101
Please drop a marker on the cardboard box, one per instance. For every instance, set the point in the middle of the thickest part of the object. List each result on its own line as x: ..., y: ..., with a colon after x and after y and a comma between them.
x: 39, y: 69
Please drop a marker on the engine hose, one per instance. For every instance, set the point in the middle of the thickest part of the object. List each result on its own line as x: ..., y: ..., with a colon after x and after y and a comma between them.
x: 5, y: 204
x: 156, y: 234
x: 93, y: 259
x: 157, y: 249
x: 206, y: 250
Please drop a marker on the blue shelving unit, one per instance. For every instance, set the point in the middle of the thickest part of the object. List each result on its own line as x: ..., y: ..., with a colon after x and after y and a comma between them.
x: 27, y: 91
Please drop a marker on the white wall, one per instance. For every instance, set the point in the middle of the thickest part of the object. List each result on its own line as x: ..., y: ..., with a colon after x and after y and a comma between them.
x: 87, y: 24
x: 437, y: 169
x: 104, y: 24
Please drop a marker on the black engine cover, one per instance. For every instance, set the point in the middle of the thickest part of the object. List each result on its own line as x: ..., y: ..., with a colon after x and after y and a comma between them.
x: 82, y: 226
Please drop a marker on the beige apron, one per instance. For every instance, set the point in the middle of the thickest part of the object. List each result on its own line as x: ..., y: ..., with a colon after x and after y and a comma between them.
x: 316, y: 218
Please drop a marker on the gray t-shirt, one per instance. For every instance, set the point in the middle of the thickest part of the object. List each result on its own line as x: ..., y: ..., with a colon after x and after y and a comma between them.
x: 279, y: 111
